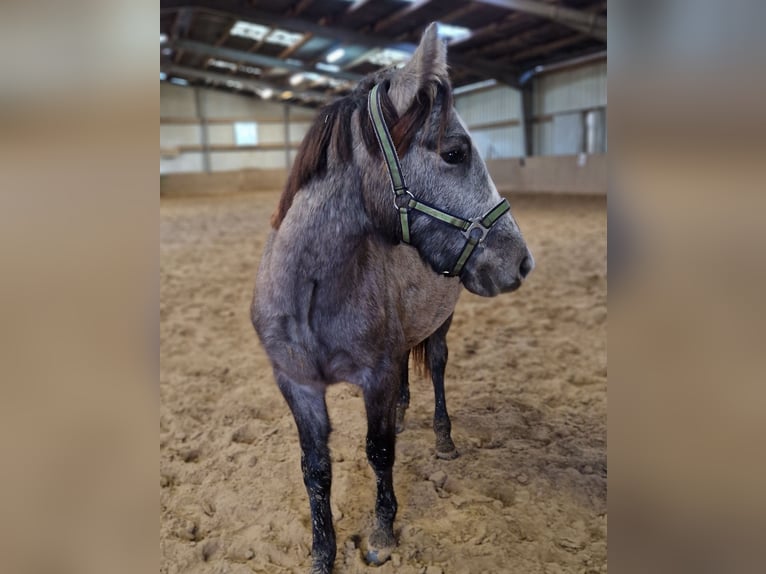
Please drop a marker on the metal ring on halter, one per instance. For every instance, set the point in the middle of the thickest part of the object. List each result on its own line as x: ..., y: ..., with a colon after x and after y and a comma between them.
x: 476, y: 224
x: 405, y: 192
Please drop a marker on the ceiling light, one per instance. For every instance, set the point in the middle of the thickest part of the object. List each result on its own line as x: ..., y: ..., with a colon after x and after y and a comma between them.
x: 287, y: 95
x: 167, y: 51
x: 179, y: 81
x: 267, y: 93
x: 335, y: 55
x: 296, y: 79
x: 163, y: 76
x: 163, y: 38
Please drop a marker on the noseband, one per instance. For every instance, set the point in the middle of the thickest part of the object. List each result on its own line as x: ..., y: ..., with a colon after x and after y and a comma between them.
x: 474, y: 230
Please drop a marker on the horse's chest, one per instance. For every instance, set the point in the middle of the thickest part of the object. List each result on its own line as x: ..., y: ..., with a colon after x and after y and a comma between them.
x: 426, y: 299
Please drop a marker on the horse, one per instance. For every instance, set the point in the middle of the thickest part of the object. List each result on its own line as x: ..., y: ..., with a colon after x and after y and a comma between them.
x: 387, y: 213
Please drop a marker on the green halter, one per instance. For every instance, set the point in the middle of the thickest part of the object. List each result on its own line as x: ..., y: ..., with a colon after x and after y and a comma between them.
x: 474, y: 230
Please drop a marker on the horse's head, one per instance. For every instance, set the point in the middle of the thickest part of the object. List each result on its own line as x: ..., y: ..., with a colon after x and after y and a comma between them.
x: 442, y: 169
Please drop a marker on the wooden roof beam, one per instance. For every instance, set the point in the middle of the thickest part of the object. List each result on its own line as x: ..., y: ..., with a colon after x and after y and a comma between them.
x: 399, y: 14
x: 587, y: 23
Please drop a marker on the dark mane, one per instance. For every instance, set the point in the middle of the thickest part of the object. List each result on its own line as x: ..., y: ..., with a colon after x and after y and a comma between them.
x: 332, y: 131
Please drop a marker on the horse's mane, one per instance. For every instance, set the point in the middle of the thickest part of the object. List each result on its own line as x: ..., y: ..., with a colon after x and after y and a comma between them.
x: 332, y: 130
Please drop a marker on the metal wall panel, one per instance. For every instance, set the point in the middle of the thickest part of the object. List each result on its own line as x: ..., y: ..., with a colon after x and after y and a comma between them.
x: 176, y: 101
x: 485, y: 106
x: 176, y: 135
x: 497, y: 143
x: 568, y: 90
x: 235, y: 160
x: 183, y: 163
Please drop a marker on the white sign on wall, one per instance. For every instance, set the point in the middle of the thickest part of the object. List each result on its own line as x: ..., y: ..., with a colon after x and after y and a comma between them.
x: 246, y: 133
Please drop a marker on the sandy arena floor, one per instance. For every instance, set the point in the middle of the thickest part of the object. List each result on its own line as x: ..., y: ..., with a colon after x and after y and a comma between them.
x: 526, y: 390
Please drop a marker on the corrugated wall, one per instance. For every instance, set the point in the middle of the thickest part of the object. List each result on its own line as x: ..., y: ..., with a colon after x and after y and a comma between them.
x: 181, y: 136
x: 569, y: 115
x: 561, y: 102
x: 493, y: 118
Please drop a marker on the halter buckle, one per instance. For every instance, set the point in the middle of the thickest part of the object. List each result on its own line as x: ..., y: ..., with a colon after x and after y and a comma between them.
x: 476, y: 225
x: 403, y: 195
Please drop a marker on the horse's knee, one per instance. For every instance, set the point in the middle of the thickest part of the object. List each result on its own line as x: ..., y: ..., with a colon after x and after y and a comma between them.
x: 381, y: 452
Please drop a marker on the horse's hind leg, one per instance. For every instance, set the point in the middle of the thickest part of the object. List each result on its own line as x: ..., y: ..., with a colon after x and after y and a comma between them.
x: 310, y: 412
x: 380, y: 399
x: 404, y: 392
x: 436, y: 354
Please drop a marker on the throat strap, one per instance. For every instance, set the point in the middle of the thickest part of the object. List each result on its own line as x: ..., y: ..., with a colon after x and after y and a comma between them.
x: 474, y: 230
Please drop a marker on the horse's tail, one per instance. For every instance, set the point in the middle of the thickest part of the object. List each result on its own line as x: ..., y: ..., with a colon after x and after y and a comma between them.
x: 421, y: 360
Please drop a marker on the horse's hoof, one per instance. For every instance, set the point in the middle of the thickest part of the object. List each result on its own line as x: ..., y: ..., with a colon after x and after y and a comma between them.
x: 320, y: 569
x: 445, y: 448
x: 377, y: 556
x: 447, y: 454
x: 380, y: 544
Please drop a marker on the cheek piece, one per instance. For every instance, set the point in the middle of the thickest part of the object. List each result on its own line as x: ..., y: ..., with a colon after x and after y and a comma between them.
x: 474, y: 230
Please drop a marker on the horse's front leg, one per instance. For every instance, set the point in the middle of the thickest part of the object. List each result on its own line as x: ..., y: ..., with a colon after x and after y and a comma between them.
x: 436, y: 354
x: 404, y: 392
x: 310, y: 412
x: 380, y: 398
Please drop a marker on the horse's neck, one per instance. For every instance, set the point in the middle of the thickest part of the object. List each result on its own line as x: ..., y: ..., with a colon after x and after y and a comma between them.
x: 324, y: 225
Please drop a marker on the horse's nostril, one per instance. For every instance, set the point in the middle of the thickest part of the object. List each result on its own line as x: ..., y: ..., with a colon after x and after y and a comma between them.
x: 526, y: 266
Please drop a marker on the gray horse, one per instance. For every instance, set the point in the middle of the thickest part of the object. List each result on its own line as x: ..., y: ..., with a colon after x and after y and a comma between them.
x: 361, y: 267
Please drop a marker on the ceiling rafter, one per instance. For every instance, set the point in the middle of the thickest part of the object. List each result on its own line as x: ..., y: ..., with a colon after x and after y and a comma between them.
x: 411, y: 7
x: 548, y: 47
x: 300, y: 7
x: 458, y: 13
x: 591, y: 24
x: 515, y: 40
x: 490, y: 29
x: 290, y: 50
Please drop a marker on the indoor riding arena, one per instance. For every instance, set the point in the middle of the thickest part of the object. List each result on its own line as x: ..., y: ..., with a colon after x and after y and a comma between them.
x: 526, y: 381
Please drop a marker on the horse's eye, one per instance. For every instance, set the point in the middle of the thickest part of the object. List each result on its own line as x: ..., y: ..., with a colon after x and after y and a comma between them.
x: 454, y: 156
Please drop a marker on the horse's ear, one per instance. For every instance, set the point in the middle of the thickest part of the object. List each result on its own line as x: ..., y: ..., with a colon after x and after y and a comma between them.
x: 427, y: 65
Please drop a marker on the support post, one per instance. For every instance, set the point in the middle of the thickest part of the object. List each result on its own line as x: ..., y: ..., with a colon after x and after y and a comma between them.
x: 527, y: 112
x: 203, y: 128
x: 286, y: 122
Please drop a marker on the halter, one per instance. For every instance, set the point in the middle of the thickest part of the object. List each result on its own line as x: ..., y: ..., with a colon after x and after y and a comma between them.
x: 474, y: 230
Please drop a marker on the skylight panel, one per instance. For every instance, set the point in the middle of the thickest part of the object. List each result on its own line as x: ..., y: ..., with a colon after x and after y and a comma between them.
x: 327, y: 67
x: 388, y: 56
x: 451, y: 32
x: 283, y: 37
x: 250, y: 70
x: 249, y: 30
x: 222, y: 64
x: 335, y: 55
